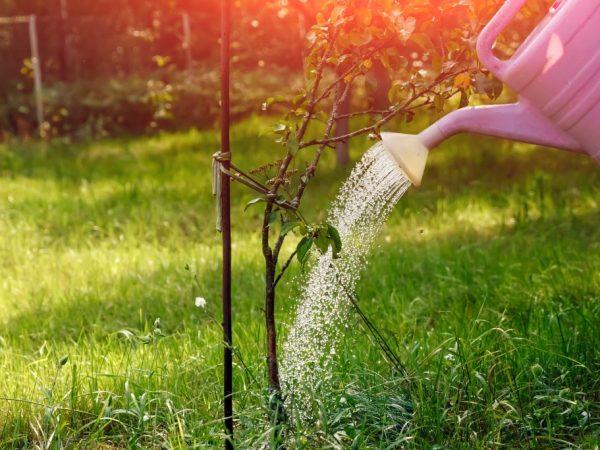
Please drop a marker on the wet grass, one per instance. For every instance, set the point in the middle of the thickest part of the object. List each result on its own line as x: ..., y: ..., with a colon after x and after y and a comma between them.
x: 486, y: 282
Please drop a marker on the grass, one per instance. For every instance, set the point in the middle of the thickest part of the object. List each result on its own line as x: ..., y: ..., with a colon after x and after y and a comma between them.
x: 486, y: 282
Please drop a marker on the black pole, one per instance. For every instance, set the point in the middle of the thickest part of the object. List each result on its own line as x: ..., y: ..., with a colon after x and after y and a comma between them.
x: 226, y: 224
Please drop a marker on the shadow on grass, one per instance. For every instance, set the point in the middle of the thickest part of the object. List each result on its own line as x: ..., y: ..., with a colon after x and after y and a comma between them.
x: 456, y: 273
x: 132, y: 301
x: 176, y: 195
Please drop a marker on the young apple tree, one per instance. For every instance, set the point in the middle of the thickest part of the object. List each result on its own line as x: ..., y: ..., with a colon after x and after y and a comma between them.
x: 427, y: 50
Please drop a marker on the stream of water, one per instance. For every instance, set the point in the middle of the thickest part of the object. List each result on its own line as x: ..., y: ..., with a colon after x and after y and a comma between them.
x: 359, y: 212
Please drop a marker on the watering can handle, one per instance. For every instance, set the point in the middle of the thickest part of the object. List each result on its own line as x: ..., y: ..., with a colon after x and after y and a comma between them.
x: 490, y: 33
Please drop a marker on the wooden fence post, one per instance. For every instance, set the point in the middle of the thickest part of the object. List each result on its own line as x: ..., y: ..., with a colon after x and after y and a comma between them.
x: 37, y: 72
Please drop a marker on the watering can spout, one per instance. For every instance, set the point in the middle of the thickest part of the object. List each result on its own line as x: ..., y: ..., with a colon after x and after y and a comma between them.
x: 518, y: 122
x: 409, y: 152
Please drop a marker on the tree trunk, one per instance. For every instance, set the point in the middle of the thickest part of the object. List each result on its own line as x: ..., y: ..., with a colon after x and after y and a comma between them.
x: 276, y: 405
x: 380, y: 96
x: 272, y: 361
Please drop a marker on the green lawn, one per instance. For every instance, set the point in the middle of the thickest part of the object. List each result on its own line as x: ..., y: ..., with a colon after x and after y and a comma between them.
x: 486, y: 281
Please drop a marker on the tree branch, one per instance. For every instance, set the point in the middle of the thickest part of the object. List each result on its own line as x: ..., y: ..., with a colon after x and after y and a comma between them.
x: 346, y: 73
x: 363, y: 113
x: 310, y: 110
x: 310, y: 171
x: 285, y: 267
x: 393, y: 112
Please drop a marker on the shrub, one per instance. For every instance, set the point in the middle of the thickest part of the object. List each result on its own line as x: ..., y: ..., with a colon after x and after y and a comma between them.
x: 166, y: 99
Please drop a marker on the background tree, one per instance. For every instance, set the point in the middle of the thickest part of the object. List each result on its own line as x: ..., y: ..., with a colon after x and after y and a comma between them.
x: 120, y: 77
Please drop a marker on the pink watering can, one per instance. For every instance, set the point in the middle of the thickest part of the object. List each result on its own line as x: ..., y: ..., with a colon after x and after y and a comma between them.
x: 556, y: 73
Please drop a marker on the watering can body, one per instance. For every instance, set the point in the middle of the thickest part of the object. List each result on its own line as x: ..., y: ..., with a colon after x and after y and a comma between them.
x: 556, y: 73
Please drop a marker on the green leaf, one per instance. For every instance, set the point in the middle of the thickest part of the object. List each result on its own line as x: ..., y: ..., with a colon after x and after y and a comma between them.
x: 396, y: 92
x: 361, y: 37
x: 273, y: 217
x: 276, y: 99
x: 489, y: 85
x: 254, y: 201
x: 336, y: 240
x: 423, y: 41
x: 299, y: 98
x: 289, y: 226
x: 128, y: 335
x: 281, y: 128
x: 438, y: 104
x: 293, y: 145
x: 303, y: 248
x: 322, y: 240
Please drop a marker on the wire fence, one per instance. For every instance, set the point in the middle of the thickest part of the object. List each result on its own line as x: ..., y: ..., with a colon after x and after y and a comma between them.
x: 39, y: 50
x: 85, y: 47
x: 58, y: 63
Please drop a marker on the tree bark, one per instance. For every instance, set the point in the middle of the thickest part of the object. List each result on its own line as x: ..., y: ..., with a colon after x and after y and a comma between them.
x: 272, y: 361
x: 270, y: 269
x: 380, y: 96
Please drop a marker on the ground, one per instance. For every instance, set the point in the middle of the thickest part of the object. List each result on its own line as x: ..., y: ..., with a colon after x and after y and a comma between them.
x: 486, y: 281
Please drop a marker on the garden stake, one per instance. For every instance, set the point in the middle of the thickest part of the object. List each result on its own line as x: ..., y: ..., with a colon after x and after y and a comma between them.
x: 225, y: 225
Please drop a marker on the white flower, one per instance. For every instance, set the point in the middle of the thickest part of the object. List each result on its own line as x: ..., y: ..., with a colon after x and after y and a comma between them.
x: 200, y: 302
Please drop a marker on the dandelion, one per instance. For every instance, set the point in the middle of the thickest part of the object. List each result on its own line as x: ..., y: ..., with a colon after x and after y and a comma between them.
x: 200, y: 302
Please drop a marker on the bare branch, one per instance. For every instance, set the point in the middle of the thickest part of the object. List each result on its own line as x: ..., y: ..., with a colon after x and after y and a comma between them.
x: 349, y: 71
x: 310, y: 171
x: 305, y: 122
x: 285, y: 267
x: 372, y: 112
x: 393, y: 112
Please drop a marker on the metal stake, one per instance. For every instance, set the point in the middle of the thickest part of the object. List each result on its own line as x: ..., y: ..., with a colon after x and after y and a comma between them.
x: 226, y: 223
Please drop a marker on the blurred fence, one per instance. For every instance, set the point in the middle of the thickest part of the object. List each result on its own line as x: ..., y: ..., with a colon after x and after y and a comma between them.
x: 69, y: 47
x: 89, y: 71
